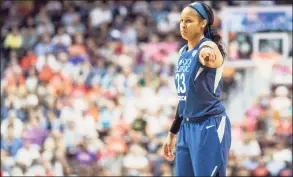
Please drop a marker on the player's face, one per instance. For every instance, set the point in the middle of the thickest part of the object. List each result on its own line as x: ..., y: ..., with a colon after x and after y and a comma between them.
x: 191, y: 24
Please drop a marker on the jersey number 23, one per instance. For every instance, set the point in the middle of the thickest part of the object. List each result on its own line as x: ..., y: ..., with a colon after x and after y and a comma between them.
x: 181, y: 87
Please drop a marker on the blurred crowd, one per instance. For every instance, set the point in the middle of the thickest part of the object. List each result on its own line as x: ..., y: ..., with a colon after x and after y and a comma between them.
x: 87, y: 89
x: 261, y: 144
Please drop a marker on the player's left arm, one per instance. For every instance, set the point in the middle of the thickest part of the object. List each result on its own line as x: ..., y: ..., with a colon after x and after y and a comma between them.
x: 210, y: 55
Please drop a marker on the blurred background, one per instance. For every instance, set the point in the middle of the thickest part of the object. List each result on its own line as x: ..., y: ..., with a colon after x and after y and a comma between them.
x: 87, y: 86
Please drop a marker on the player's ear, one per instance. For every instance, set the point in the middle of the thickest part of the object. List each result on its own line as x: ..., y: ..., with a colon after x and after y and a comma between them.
x: 203, y: 23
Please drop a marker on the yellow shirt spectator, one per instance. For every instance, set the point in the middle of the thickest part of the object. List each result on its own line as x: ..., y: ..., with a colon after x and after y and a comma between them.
x: 13, y: 40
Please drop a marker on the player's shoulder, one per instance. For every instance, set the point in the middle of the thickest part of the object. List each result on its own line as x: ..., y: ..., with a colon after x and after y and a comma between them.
x: 213, y: 45
x: 209, y: 43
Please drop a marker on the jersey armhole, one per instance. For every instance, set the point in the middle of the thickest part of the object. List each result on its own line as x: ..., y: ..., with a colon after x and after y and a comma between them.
x: 181, y: 51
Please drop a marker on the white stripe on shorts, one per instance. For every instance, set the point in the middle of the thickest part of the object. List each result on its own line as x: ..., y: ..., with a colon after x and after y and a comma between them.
x: 214, y: 170
x: 221, y: 128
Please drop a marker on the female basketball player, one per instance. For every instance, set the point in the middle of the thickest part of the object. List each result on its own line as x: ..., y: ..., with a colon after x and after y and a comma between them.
x: 204, y: 136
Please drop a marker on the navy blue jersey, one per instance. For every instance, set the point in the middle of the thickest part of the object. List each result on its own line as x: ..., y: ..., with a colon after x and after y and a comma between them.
x: 198, y: 87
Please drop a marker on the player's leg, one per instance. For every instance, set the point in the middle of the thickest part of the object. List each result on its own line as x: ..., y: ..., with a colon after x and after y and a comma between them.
x: 208, y: 155
x: 225, y: 145
x: 183, y: 164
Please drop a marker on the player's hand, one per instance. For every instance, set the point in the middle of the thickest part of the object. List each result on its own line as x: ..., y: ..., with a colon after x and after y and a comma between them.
x: 207, y: 55
x: 169, y: 146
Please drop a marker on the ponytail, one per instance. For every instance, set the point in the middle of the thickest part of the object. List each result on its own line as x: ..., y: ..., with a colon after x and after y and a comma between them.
x: 212, y: 32
x: 216, y: 38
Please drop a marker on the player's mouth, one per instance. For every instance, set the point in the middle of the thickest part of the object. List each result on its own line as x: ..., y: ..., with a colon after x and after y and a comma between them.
x: 183, y: 32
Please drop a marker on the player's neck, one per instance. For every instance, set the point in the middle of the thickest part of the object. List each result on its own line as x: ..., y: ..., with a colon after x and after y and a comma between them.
x: 192, y: 43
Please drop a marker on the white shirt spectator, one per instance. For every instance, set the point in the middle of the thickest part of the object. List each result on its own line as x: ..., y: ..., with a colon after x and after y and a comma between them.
x: 69, y: 16
x: 156, y: 124
x: 136, y: 159
x: 17, y: 125
x: 135, y: 162
x: 274, y: 167
x: 147, y: 99
x: 130, y: 110
x: 58, y: 169
x: 31, y: 83
x: 141, y: 7
x: 76, y: 27
x: 164, y: 25
x: 283, y: 155
x: 166, y: 92
x: 71, y: 138
x: 26, y: 155
x: 50, y: 59
x: 79, y: 104
x: 68, y: 69
x: 54, y: 6
x: 36, y: 170
x: 250, y: 149
x: 99, y: 16
x: 46, y: 27
x: 174, y: 17
x: 129, y: 36
x: 64, y: 38
x: 281, y: 102
x: 86, y: 126
x: 16, y: 171
x: 66, y: 114
x: 32, y: 100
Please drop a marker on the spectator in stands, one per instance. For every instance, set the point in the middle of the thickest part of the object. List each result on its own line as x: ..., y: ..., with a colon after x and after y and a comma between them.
x: 13, y: 40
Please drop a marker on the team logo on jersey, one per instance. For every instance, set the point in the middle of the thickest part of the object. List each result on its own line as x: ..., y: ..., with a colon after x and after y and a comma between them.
x: 184, y: 65
x: 194, y: 53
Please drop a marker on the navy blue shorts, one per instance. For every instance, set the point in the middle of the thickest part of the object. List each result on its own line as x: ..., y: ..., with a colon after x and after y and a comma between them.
x: 203, y: 147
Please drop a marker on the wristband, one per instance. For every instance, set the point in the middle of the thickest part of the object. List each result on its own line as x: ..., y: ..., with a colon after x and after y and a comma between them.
x: 176, y: 126
x: 176, y: 123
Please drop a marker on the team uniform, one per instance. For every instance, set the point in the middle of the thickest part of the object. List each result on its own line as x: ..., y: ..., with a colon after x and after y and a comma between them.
x: 204, y: 137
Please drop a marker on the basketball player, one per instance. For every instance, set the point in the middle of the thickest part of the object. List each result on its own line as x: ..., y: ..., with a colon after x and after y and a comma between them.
x: 204, y: 137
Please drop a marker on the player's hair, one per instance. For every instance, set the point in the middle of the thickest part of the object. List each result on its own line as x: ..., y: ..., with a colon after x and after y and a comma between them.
x: 215, y: 37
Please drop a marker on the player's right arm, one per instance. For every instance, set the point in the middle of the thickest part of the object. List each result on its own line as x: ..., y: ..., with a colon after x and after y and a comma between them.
x: 170, y: 143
